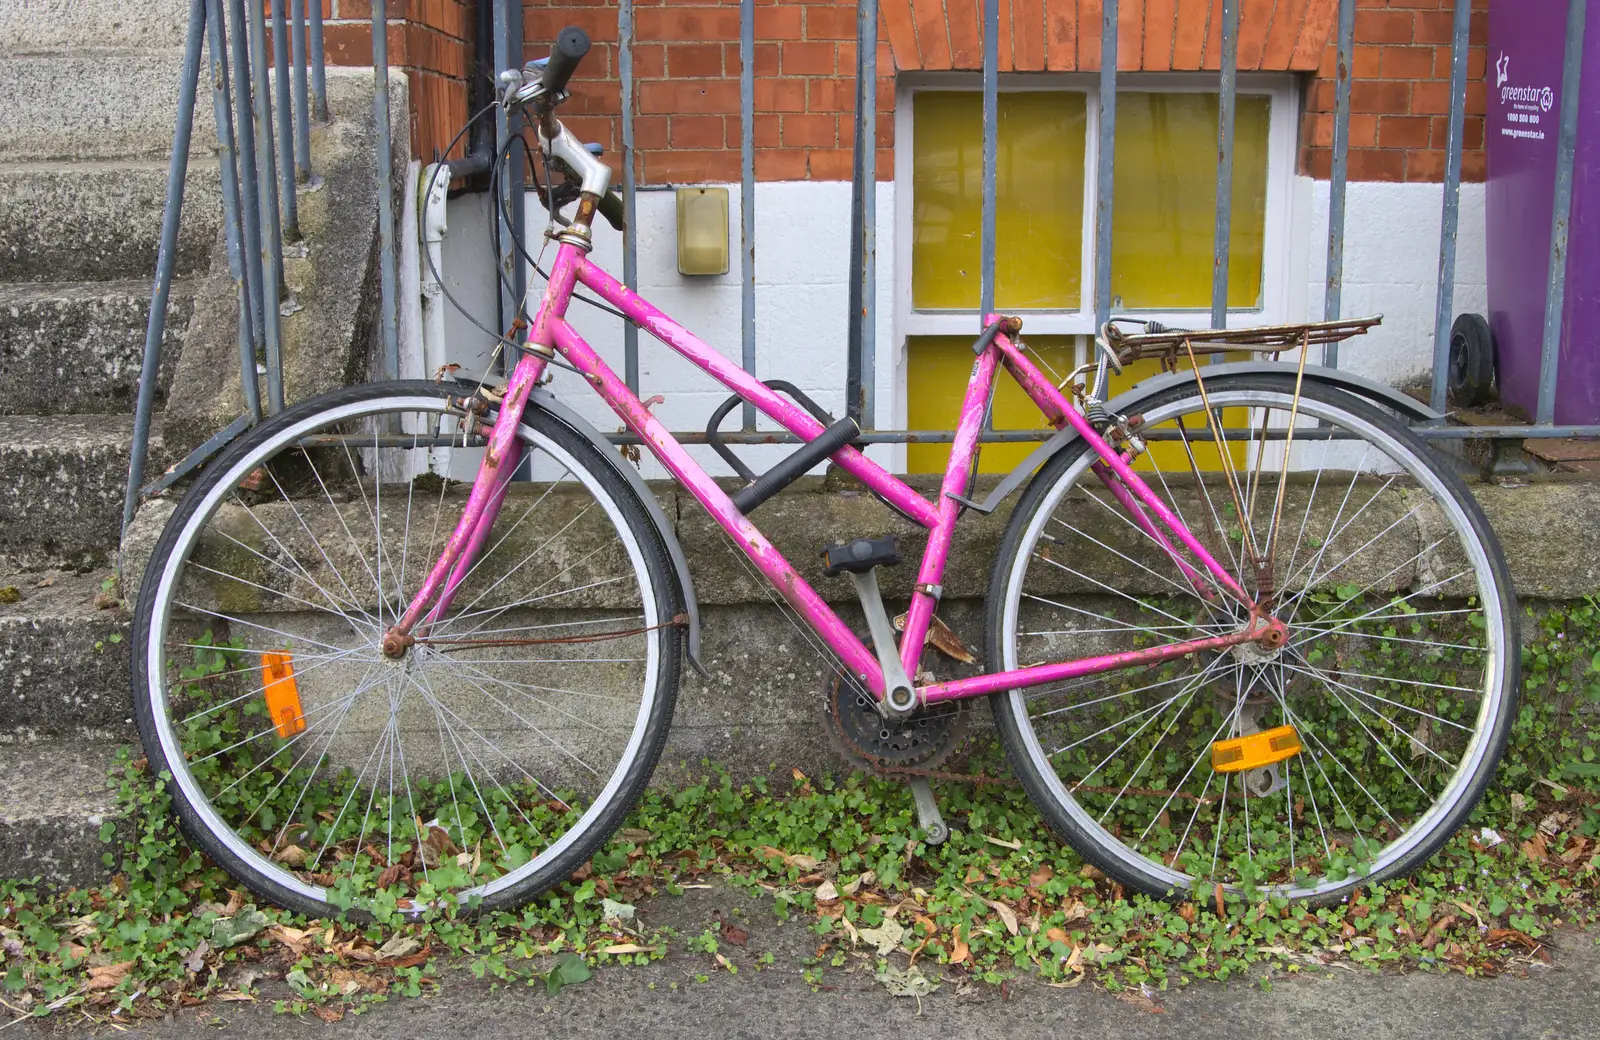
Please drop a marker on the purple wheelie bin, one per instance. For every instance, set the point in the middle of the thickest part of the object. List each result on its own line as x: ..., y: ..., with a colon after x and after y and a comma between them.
x: 1527, y: 40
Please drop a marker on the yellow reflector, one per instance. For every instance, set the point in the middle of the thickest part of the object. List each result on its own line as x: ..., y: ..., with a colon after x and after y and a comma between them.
x: 1255, y: 750
x: 283, y: 695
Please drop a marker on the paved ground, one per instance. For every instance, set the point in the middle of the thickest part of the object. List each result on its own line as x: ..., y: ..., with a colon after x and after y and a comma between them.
x: 1560, y: 1001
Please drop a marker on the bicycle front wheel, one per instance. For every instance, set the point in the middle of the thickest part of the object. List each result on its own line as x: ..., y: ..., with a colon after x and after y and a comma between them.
x: 484, y: 765
x: 1349, y: 754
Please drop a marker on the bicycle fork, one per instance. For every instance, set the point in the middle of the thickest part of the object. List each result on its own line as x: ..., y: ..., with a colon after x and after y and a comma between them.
x: 483, y: 508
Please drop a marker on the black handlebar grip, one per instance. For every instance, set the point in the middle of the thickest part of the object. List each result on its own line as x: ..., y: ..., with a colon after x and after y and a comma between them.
x: 570, y: 47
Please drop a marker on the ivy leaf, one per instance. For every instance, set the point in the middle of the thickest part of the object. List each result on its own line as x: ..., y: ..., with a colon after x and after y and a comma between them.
x: 231, y: 931
x: 908, y: 983
x: 569, y: 970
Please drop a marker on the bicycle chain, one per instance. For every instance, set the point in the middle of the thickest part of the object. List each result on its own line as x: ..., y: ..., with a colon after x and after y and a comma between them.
x: 892, y: 771
x: 883, y: 767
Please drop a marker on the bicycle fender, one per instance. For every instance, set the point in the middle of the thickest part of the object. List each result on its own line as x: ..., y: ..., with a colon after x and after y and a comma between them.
x: 1128, y: 403
x: 547, y: 402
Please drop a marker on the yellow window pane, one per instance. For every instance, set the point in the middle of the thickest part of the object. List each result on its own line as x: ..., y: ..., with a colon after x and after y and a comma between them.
x: 1164, y: 218
x: 936, y: 384
x: 1038, y: 200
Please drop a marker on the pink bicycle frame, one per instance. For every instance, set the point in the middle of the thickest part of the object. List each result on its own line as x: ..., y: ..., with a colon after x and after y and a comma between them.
x: 551, y: 331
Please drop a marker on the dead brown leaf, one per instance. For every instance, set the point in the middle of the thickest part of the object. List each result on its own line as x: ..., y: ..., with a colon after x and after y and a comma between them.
x: 346, y: 979
x: 106, y: 976
x: 1142, y: 1002
x: 1437, y: 929
x: 329, y: 1013
x: 1498, y: 936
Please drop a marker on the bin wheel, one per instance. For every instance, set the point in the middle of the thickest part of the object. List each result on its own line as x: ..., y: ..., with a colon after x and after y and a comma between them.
x: 1471, y: 361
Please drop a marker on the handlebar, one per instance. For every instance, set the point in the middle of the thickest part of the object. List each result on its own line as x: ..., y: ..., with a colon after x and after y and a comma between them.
x: 570, y: 47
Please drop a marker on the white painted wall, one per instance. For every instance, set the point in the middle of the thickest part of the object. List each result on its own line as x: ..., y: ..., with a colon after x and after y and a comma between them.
x: 802, y: 238
x: 1391, y: 267
x: 802, y: 263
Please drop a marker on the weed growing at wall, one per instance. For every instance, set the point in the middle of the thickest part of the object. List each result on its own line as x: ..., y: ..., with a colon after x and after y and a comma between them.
x: 1001, y: 897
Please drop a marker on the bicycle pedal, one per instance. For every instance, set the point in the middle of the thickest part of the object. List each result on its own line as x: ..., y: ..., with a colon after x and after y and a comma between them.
x: 860, y: 555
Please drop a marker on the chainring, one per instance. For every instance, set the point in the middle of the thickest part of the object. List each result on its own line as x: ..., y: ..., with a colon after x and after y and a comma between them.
x: 867, y: 740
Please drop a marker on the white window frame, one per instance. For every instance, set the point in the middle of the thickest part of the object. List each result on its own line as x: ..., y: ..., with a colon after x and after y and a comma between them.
x: 1282, y: 146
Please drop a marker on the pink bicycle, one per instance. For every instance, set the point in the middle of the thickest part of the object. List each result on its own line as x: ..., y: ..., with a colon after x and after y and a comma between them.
x: 1243, y: 628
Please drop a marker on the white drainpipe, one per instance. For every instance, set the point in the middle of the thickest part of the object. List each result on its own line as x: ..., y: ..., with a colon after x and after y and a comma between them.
x: 436, y: 188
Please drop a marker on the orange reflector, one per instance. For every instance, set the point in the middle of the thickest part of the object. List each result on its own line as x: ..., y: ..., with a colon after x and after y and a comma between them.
x: 1255, y: 750
x: 283, y: 695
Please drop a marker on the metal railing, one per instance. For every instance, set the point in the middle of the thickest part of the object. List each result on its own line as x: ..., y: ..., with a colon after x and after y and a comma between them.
x: 263, y: 143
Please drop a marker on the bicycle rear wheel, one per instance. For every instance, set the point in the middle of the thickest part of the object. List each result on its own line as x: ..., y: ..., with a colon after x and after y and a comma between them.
x: 493, y: 758
x: 1350, y: 754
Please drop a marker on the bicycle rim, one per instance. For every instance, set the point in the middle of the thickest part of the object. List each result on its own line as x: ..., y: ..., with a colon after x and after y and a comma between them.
x: 1395, y: 682
x: 483, y: 765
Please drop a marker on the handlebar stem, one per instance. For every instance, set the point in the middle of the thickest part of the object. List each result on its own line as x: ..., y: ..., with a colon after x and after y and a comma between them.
x: 558, y: 143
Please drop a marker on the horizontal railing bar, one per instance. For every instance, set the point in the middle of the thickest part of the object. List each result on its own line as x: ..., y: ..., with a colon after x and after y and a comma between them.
x: 1467, y: 433
x: 698, y: 437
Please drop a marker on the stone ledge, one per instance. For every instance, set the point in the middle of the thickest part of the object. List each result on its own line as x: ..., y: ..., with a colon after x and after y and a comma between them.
x: 1550, y: 532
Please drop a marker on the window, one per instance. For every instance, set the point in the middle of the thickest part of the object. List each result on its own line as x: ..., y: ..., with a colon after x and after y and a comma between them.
x: 1163, y: 224
x: 1038, y: 200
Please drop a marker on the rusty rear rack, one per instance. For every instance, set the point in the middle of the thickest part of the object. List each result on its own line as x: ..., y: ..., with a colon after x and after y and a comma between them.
x: 1168, y: 344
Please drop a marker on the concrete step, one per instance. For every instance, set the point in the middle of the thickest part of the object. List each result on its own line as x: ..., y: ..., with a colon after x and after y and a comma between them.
x: 96, y: 104
x: 54, y: 799
x: 81, y: 222
x: 77, y: 346
x: 63, y: 659
x: 61, y: 499
x: 41, y: 26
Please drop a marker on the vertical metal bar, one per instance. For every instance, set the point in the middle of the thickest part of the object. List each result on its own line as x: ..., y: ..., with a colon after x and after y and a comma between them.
x: 280, y: 77
x: 1106, y: 167
x: 508, y: 55
x: 515, y: 174
x: 166, y: 258
x: 1450, y: 219
x: 222, y: 110
x: 319, y: 71
x: 502, y: 133
x: 854, y: 396
x: 1339, y: 175
x: 867, y: 143
x: 249, y: 193
x: 302, y: 110
x: 991, y: 132
x: 1561, y: 215
x: 747, y: 195
x: 1223, y: 241
x: 271, y: 237
x: 630, y: 243
x: 386, y: 260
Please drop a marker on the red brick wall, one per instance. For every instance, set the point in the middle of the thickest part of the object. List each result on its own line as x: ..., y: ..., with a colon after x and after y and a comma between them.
x: 432, y: 41
x: 1399, y: 94
x: 1064, y: 35
x: 686, y: 80
x: 686, y: 72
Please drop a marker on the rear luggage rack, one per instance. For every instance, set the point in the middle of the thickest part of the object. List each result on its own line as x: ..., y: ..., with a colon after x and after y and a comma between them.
x: 1158, y: 340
